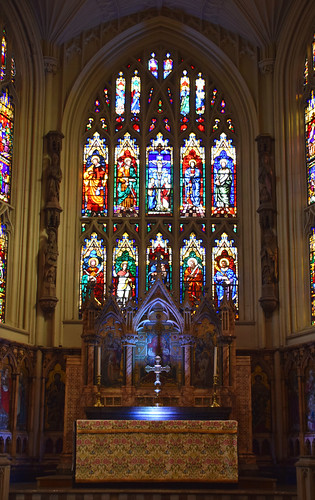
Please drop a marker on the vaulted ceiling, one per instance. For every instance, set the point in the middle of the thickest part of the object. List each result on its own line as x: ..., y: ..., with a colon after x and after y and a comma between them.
x: 258, y: 21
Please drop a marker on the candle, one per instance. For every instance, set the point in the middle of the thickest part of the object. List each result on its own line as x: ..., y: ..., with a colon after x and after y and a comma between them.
x: 215, y: 361
x: 98, y: 364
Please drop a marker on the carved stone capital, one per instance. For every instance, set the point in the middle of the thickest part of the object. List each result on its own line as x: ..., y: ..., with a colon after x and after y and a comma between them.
x: 266, y: 66
x: 50, y: 64
x: 48, y: 304
x: 130, y: 339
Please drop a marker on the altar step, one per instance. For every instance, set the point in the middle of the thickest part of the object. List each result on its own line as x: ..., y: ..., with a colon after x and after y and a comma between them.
x: 146, y: 493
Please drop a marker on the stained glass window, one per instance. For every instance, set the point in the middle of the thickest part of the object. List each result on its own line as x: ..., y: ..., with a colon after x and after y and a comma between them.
x: 192, y: 269
x: 312, y: 274
x: 184, y: 94
x: 3, y: 268
x: 167, y: 66
x: 120, y: 94
x: 224, y: 270
x: 192, y: 178
x: 126, y: 177
x: 159, y: 261
x: 6, y: 144
x: 159, y: 177
x: 223, y: 178
x: 200, y: 95
x: 310, y: 146
x: 135, y: 93
x: 92, y: 268
x: 95, y: 176
x: 159, y: 173
x: 3, y: 55
x: 153, y: 65
x: 125, y: 270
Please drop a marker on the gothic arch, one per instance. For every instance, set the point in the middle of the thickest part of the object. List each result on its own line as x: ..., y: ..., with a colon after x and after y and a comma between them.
x: 225, y: 74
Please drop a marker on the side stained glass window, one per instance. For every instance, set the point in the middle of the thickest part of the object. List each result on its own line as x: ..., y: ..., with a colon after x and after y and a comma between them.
x: 224, y: 270
x: 159, y: 175
x: 92, y: 268
x: 95, y: 177
x: 125, y: 270
x: 192, y: 269
x: 6, y: 144
x: 3, y: 268
x: 312, y: 274
x: 159, y: 261
x: 3, y: 55
x: 310, y: 146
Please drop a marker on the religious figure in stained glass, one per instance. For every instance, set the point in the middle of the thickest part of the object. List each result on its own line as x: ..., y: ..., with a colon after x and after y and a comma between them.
x: 95, y: 176
x: 6, y: 144
x: 153, y: 65
x: 192, y: 262
x: 200, y: 95
x: 223, y: 159
x: 159, y: 174
x: 312, y: 274
x: 159, y: 261
x: 125, y: 270
x: 135, y: 93
x: 192, y: 178
x: 224, y: 270
x: 120, y: 94
x: 126, y: 177
x: 184, y: 93
x: 167, y: 66
x: 93, y: 268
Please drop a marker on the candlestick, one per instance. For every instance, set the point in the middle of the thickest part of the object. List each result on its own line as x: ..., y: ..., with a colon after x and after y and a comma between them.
x: 215, y: 361
x: 98, y: 364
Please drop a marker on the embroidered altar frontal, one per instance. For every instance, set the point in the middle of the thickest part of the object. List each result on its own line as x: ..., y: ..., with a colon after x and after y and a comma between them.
x: 141, y: 450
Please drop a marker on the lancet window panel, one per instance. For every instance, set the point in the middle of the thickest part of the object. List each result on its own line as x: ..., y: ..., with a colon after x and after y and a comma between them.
x: 7, y: 121
x: 160, y: 157
x: 309, y: 135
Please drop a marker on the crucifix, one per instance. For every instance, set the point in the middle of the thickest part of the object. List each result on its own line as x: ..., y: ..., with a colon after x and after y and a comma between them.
x: 158, y: 368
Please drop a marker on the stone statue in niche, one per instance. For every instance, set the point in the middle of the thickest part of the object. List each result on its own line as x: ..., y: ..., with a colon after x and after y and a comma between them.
x: 269, y: 258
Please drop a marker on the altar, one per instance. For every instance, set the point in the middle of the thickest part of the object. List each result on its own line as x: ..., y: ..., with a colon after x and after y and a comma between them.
x: 155, y: 451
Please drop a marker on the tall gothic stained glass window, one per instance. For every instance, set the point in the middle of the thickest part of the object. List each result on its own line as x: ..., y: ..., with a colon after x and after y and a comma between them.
x: 309, y: 120
x: 3, y: 268
x: 160, y: 173
x: 7, y: 118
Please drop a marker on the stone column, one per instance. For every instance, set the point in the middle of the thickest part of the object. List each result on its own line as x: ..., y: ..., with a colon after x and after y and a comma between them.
x: 305, y: 473
x: 52, y: 209
x: 4, y: 477
x: 267, y: 220
x: 128, y: 343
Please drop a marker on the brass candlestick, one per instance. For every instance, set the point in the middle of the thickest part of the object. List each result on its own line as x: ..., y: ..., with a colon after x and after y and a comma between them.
x: 215, y: 403
x: 98, y: 403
